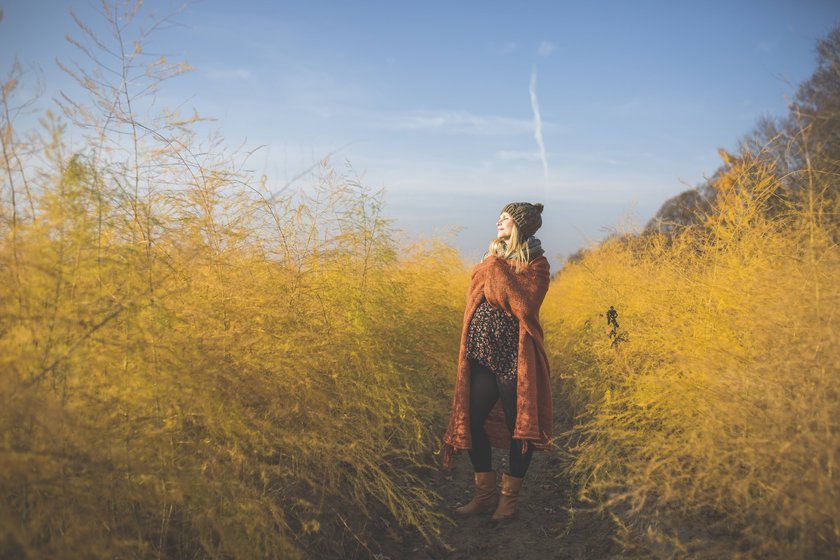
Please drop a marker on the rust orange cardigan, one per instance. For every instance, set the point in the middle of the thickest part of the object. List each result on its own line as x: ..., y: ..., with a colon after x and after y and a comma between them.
x: 521, y: 295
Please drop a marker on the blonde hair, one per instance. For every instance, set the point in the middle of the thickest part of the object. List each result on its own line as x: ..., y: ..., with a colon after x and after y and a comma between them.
x: 512, y: 248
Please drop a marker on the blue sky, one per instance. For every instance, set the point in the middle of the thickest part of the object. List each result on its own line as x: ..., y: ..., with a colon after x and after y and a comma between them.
x: 432, y: 100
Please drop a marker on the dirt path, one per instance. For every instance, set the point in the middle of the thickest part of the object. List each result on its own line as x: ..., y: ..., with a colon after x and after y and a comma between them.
x: 547, y: 524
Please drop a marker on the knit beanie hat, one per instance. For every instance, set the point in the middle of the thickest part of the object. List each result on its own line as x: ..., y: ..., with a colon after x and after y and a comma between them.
x: 526, y: 216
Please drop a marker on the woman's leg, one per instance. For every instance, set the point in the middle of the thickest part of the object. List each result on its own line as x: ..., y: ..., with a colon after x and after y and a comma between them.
x: 518, y: 461
x: 483, y: 395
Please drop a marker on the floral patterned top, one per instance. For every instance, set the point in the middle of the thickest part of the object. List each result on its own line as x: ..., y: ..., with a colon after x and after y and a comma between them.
x: 493, y: 340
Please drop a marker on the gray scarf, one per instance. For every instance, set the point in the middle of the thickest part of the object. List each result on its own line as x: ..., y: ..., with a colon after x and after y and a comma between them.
x: 535, y: 249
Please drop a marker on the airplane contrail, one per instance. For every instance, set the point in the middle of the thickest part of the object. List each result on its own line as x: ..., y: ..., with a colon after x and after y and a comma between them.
x: 538, y: 121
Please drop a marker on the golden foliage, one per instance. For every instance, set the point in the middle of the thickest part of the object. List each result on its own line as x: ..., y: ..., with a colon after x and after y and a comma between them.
x: 720, y: 401
x: 188, y: 388
x: 192, y: 365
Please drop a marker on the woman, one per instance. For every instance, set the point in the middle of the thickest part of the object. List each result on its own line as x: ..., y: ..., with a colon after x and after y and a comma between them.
x: 502, y: 393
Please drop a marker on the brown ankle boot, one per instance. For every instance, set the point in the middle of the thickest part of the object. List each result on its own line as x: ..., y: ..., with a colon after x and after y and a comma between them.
x: 511, y: 486
x: 486, y: 495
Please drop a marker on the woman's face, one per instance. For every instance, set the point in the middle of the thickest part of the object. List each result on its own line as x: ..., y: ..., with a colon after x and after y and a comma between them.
x: 504, y: 225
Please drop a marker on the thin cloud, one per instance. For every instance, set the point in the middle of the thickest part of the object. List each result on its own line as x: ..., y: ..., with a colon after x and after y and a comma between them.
x: 506, y: 48
x: 535, y: 106
x: 511, y: 155
x: 764, y: 47
x: 229, y: 74
x: 546, y: 48
x: 598, y: 159
x: 459, y: 122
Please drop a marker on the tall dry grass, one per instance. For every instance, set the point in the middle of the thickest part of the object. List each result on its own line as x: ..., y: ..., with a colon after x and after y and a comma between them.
x: 194, y: 365
x: 711, y: 427
x: 203, y: 393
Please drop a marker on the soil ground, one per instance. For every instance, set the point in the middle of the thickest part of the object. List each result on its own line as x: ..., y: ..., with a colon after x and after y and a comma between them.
x: 549, y: 524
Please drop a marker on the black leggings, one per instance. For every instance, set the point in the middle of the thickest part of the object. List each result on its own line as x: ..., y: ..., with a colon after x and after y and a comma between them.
x: 485, y: 389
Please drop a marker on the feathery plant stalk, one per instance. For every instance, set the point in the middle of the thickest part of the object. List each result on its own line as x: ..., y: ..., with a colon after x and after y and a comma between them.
x: 721, y: 411
x: 193, y: 365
